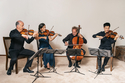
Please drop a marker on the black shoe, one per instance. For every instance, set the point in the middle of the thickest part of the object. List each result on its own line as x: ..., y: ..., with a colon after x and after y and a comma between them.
x: 9, y: 72
x: 103, y: 68
x: 27, y: 70
x: 99, y: 71
x: 77, y: 65
x: 48, y: 68
x: 70, y: 64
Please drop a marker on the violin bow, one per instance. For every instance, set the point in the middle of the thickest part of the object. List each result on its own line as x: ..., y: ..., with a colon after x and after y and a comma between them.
x: 115, y: 29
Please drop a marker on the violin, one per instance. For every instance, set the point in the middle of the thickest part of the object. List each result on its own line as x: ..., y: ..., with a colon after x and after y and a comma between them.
x: 111, y: 34
x: 27, y: 32
x: 48, y: 33
x: 77, y: 44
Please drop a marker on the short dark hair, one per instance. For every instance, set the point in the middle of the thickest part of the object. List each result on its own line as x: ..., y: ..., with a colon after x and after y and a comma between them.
x: 17, y: 23
x: 106, y: 24
x: 75, y: 28
x: 40, y: 26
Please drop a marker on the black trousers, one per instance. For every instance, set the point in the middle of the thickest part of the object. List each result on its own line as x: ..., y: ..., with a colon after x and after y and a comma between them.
x: 14, y: 54
x: 69, y: 59
x: 100, y: 61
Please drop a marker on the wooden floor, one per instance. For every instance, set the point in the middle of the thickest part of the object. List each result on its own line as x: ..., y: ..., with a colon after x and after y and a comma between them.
x: 88, y: 63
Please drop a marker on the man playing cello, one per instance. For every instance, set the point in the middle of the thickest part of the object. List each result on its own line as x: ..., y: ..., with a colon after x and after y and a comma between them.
x: 68, y: 42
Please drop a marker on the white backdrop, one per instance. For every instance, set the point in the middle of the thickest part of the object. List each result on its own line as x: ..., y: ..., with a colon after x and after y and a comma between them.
x: 63, y: 14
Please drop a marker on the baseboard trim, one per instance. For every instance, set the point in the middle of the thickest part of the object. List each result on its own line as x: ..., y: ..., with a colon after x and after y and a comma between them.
x: 65, y: 56
x: 2, y: 55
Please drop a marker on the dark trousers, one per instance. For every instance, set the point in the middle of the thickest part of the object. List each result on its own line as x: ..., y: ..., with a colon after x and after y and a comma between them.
x: 14, y: 54
x: 100, y: 61
x: 69, y: 59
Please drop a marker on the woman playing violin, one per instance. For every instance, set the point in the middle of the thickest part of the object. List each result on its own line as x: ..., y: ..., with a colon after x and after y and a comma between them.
x: 48, y: 59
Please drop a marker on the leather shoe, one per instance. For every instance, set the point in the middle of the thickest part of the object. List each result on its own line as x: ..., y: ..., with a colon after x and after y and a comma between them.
x: 99, y: 71
x: 77, y: 65
x: 103, y: 68
x: 9, y: 72
x: 70, y: 64
x: 28, y: 70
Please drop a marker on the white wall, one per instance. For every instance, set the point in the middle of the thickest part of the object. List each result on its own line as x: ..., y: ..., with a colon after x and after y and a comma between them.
x: 63, y: 14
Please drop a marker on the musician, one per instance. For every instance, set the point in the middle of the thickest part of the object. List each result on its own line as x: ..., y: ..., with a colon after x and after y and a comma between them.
x: 16, y: 47
x: 48, y: 59
x: 104, y: 44
x: 68, y: 41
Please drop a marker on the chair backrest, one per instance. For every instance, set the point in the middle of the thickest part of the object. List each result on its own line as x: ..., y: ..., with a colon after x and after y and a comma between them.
x: 113, y: 48
x: 38, y: 46
x: 7, y: 41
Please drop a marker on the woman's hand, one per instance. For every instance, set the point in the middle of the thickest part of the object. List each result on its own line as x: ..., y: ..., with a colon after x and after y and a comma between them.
x: 45, y: 37
x: 56, y: 34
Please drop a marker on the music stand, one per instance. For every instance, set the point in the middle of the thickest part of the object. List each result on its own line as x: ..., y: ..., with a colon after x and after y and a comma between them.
x: 37, y: 54
x: 74, y: 52
x: 99, y: 52
x: 54, y: 51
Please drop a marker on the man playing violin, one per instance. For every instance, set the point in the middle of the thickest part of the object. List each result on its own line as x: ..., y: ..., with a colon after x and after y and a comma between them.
x: 68, y: 42
x: 16, y: 47
x: 104, y: 44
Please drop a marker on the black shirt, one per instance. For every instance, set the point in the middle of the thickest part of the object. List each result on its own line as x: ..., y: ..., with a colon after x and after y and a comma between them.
x: 17, y: 41
x: 105, y: 42
x: 69, y: 39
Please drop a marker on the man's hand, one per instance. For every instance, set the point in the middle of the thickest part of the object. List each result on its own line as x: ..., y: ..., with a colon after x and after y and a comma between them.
x: 116, y: 37
x: 100, y: 37
x: 80, y: 35
x: 35, y: 34
x: 66, y: 44
x: 25, y: 36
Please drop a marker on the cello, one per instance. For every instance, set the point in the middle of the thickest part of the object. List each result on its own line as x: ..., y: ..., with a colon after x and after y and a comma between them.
x: 77, y: 44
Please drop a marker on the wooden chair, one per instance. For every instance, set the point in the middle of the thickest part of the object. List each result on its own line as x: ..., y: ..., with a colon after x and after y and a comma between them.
x: 41, y: 58
x: 7, y: 41
x: 111, y: 58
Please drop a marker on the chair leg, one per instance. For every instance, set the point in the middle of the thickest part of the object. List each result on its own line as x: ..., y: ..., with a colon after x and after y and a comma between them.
x: 41, y: 61
x: 6, y: 63
x: 111, y: 63
x: 97, y: 63
x: 16, y: 65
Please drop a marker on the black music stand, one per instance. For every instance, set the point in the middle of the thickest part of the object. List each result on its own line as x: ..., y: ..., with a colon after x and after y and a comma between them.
x: 99, y: 52
x: 39, y: 53
x: 74, y: 52
x: 53, y: 51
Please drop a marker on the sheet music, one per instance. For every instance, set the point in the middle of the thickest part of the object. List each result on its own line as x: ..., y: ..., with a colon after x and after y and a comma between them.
x: 103, y: 52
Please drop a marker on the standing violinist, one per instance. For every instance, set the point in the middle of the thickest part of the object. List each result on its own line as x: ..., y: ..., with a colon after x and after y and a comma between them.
x: 68, y: 42
x: 16, y: 47
x: 104, y: 44
x: 48, y: 59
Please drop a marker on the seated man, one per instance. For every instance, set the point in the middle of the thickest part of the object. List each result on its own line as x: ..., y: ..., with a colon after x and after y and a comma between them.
x: 104, y: 44
x: 16, y: 48
x: 68, y: 42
